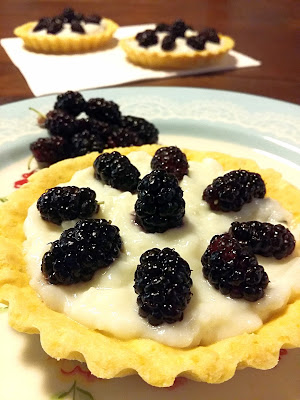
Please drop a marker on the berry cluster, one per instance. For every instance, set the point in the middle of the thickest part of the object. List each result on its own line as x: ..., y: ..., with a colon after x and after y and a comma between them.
x: 80, y: 251
x: 176, y: 30
x: 54, y: 25
x: 162, y: 281
x: 103, y: 127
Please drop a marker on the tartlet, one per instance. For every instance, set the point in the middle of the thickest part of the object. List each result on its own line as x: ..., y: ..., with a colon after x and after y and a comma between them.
x: 200, y: 52
x: 74, y: 41
x: 107, y: 356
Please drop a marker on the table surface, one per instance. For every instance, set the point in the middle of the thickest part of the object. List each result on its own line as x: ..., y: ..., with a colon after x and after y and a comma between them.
x: 267, y: 31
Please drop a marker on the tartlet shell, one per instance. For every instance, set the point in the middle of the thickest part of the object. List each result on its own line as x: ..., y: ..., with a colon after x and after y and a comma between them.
x: 167, y: 59
x: 54, y: 44
x: 106, y: 356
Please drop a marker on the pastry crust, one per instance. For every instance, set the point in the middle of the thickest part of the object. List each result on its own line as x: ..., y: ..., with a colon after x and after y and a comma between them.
x: 55, y: 44
x: 167, y: 59
x: 106, y: 356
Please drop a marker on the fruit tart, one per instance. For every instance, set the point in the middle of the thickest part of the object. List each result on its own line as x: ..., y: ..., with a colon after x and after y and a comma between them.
x: 176, y: 46
x: 155, y: 261
x: 68, y: 32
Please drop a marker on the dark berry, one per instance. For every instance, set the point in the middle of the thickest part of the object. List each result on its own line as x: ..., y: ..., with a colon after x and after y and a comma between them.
x: 93, y: 19
x: 211, y: 35
x: 103, y: 110
x: 77, y: 27
x: 264, y: 238
x: 147, y: 38
x: 67, y: 203
x: 160, y: 204
x: 233, y: 269
x: 178, y: 28
x: 122, y: 137
x: 48, y: 151
x: 67, y: 15
x: 147, y: 132
x: 196, y: 42
x: 172, y: 160
x: 85, y: 142
x: 168, y: 43
x: 81, y: 251
x: 231, y: 191
x: 42, y: 24
x: 70, y: 102
x: 116, y: 171
x: 55, y: 26
x: 162, y: 27
x: 59, y: 123
x: 162, y: 281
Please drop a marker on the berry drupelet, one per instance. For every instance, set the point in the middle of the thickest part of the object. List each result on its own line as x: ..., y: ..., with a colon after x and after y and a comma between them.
x: 67, y: 203
x: 233, y: 269
x: 48, y: 151
x: 146, y: 132
x: 70, y: 102
x: 162, y: 281
x: 231, y: 191
x: 172, y: 160
x: 81, y: 251
x: 264, y: 238
x: 103, y: 110
x: 116, y: 170
x: 160, y: 204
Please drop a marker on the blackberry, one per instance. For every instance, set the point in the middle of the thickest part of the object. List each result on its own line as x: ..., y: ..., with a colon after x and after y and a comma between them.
x: 168, y: 43
x: 147, y: 133
x: 233, y: 269
x: 93, y: 19
x: 81, y: 251
x: 160, y: 204
x: 116, y: 171
x: 231, y: 191
x: 85, y: 142
x: 163, y: 283
x: 42, y: 24
x: 70, y: 102
x: 103, y: 110
x: 162, y: 27
x: 77, y: 27
x: 55, y: 26
x: 67, y: 203
x: 196, y: 42
x: 147, y: 38
x: 211, y: 35
x: 48, y: 151
x: 59, y: 123
x: 178, y: 28
x: 68, y: 14
x: 264, y: 238
x: 122, y: 137
x: 172, y: 160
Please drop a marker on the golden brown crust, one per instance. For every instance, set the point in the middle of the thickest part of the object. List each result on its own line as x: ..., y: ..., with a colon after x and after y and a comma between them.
x: 106, y: 356
x: 54, y: 44
x: 163, y: 59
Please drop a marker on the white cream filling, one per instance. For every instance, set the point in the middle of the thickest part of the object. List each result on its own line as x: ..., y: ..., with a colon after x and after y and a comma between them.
x: 108, y: 301
x: 180, y: 44
x: 89, y: 29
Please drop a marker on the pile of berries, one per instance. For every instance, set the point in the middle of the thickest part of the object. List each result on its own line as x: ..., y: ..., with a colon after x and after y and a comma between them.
x: 102, y: 127
x: 54, y: 25
x: 177, y: 29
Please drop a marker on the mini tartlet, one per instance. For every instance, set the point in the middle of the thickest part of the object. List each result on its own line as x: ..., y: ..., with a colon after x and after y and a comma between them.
x: 176, y: 46
x: 107, y: 356
x: 68, y: 33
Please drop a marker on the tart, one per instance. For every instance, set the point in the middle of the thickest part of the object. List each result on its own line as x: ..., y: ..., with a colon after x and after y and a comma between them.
x: 67, y: 33
x: 176, y: 46
x: 108, y: 355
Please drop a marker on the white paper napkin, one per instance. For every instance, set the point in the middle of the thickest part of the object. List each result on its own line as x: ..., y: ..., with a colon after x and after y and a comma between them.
x: 47, y: 74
